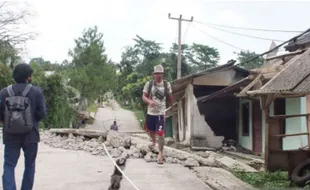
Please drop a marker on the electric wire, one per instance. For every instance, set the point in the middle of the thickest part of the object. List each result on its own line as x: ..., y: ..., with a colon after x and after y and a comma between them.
x: 245, y: 28
x: 206, y: 33
x: 245, y: 35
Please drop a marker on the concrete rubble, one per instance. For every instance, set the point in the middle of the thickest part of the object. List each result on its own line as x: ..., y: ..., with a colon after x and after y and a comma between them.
x: 229, y: 163
x: 121, y: 145
x: 218, y: 178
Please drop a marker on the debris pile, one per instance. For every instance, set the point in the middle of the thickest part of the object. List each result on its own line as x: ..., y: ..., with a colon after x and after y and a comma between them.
x: 121, y: 145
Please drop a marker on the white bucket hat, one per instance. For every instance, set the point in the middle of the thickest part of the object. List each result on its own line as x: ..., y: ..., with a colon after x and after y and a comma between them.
x: 158, y: 69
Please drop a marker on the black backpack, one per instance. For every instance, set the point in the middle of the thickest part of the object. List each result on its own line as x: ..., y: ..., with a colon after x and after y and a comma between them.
x: 17, y: 114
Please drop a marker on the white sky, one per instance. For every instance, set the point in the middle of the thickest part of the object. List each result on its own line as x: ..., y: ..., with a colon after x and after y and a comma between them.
x: 58, y: 23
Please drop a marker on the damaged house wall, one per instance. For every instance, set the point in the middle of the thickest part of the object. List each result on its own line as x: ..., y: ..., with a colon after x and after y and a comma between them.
x: 202, y: 134
x: 220, y: 114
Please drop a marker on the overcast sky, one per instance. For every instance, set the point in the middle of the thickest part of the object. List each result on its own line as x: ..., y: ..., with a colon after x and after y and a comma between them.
x: 58, y: 23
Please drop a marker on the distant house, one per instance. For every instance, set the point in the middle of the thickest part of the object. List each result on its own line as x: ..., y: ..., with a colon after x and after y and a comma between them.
x: 202, y: 123
x: 286, y: 79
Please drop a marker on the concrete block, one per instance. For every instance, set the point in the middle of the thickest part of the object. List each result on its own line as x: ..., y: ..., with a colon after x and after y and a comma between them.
x: 218, y: 178
x: 229, y: 163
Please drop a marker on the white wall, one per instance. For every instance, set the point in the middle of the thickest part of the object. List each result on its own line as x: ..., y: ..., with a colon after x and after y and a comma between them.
x: 185, y: 129
x: 295, y: 124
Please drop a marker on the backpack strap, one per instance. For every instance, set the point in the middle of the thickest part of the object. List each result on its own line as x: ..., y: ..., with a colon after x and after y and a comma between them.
x: 26, y: 90
x: 151, y: 83
x: 166, y: 86
x: 10, y: 90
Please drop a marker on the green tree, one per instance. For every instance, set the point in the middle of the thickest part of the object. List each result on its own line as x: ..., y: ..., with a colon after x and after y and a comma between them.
x: 245, y: 56
x: 45, y: 65
x: 5, y: 76
x: 171, y: 60
x: 91, y: 73
x: 149, y: 54
x: 202, y: 57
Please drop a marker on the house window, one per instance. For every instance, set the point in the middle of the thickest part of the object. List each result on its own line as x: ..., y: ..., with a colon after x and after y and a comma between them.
x: 245, y: 111
x: 279, y: 109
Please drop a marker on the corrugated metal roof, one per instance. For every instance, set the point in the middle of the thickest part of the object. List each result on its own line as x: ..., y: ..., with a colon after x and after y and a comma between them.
x: 304, y: 86
x: 293, y: 77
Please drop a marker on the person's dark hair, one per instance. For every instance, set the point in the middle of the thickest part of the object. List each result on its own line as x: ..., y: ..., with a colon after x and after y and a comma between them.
x: 21, y: 72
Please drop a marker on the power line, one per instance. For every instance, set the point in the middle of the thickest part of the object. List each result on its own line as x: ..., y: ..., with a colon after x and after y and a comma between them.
x: 186, y: 31
x: 260, y: 38
x: 244, y: 28
x: 278, y: 46
x: 217, y: 38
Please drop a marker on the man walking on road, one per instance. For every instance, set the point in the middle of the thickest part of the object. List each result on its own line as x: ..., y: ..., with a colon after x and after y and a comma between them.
x: 114, y: 127
x: 155, y: 93
x: 22, y: 106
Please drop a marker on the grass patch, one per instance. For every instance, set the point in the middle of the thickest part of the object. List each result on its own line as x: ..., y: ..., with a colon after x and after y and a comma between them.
x: 265, y: 180
x: 92, y: 108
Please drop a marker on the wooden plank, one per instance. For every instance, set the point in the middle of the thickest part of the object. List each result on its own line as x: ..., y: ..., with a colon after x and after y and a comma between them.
x: 251, y: 84
x: 267, y: 151
x: 289, y: 116
x: 297, y: 95
x: 262, y: 101
x: 288, y: 93
x: 290, y: 135
x: 269, y: 100
x: 79, y: 132
x: 265, y: 70
x: 269, y: 76
x: 237, y: 119
x: 274, y: 129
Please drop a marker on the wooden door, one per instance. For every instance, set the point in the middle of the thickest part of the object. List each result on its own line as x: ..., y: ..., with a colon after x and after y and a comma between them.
x: 257, y: 127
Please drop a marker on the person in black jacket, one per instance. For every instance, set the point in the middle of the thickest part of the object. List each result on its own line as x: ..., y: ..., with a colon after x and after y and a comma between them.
x: 28, y: 142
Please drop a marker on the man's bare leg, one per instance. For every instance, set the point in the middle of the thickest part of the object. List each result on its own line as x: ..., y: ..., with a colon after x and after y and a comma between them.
x: 161, y: 142
x: 153, y: 137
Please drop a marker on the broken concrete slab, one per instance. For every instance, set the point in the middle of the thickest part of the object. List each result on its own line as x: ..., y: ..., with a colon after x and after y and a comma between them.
x: 174, y: 153
x: 190, y: 162
x: 230, y: 164
x: 218, y: 178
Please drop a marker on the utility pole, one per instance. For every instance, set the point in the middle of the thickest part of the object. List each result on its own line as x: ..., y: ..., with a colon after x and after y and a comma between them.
x: 179, y: 42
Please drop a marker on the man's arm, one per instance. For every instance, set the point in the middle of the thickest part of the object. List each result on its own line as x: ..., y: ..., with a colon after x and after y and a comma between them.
x: 2, y: 101
x: 41, y: 106
x: 145, y: 94
x: 145, y: 98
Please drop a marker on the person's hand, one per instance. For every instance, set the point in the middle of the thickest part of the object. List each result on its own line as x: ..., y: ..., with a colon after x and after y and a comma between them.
x: 152, y: 103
